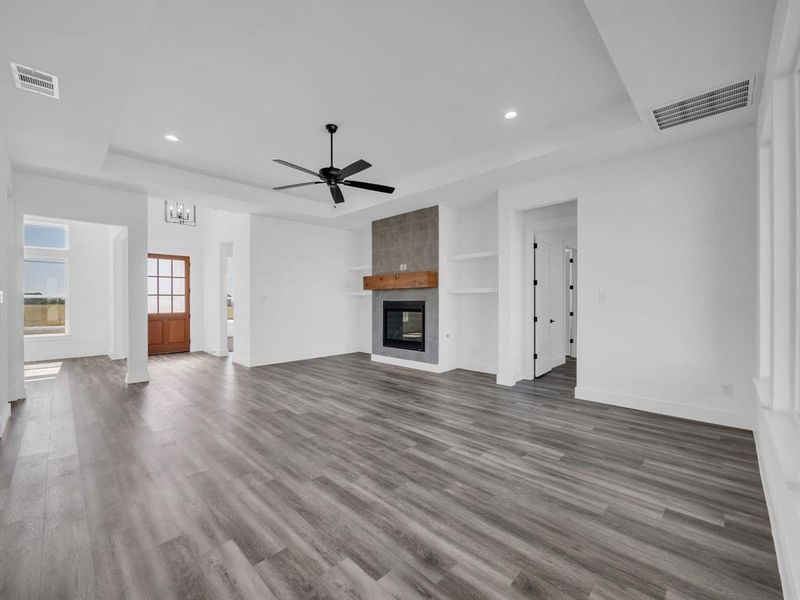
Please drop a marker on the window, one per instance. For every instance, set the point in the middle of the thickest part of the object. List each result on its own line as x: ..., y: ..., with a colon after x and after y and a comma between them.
x: 45, y: 296
x: 166, y: 286
x: 45, y: 235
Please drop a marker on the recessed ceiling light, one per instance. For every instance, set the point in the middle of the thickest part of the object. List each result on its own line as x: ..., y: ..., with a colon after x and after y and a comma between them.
x: 171, y: 137
x: 512, y: 114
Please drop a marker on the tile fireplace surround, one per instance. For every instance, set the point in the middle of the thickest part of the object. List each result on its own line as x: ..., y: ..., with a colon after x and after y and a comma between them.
x: 410, y: 239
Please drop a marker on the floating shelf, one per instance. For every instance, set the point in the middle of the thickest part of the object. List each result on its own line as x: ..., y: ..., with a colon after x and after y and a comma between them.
x: 474, y: 255
x: 491, y: 290
x: 360, y: 268
x: 360, y: 293
x: 402, y: 280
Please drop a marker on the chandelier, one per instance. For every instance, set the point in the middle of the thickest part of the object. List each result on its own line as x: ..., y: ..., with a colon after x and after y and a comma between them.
x: 180, y: 214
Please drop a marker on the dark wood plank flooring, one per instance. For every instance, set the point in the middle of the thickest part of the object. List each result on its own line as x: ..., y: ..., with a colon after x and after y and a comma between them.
x: 340, y: 478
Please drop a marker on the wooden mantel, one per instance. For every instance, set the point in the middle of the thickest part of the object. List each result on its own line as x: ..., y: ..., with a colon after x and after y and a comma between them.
x: 402, y: 280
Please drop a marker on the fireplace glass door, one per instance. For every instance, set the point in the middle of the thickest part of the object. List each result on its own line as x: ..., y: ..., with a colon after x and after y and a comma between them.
x: 404, y: 325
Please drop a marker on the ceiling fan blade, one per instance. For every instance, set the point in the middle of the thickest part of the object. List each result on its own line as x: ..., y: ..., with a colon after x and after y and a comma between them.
x: 372, y: 187
x: 294, y: 185
x: 336, y: 194
x: 293, y: 166
x: 352, y: 169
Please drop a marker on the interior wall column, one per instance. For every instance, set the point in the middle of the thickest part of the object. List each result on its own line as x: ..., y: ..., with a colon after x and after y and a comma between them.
x: 16, y: 326
x: 764, y: 263
x: 137, y: 304
x: 783, y: 244
x: 119, y: 293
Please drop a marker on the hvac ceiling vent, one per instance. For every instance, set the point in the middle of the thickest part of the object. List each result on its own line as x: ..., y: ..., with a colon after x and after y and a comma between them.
x: 35, y: 81
x: 729, y: 97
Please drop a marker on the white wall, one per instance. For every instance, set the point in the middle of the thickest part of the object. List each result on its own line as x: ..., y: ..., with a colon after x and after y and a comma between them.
x: 11, y: 369
x: 300, y: 306
x: 181, y: 240
x: 777, y: 428
x: 88, y: 294
x: 92, y: 202
x: 669, y: 236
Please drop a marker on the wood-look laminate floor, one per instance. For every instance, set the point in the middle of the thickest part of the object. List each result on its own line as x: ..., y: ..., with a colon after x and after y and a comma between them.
x: 341, y: 478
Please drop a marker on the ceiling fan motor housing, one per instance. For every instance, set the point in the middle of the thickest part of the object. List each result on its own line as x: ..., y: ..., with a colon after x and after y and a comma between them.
x: 329, y: 174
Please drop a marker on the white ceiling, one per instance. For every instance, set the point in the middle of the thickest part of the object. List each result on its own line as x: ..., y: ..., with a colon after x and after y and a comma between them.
x: 666, y: 51
x: 418, y: 89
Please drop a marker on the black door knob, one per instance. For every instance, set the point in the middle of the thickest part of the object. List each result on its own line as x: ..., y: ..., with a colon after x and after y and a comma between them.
x: 552, y: 320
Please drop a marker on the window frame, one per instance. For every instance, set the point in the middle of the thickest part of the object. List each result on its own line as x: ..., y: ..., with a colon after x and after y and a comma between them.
x: 45, y: 255
x: 63, y: 226
x: 187, y: 285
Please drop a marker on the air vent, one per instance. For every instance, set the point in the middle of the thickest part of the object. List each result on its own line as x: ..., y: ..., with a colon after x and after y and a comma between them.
x: 35, y: 81
x: 730, y: 97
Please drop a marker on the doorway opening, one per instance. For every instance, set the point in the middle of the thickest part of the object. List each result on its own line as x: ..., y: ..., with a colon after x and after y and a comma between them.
x: 168, y: 316
x: 551, y: 305
x: 230, y: 294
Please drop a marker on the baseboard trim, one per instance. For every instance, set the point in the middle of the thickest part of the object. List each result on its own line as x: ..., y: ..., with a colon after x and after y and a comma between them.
x: 142, y: 377
x: 508, y: 380
x: 217, y: 353
x: 117, y: 356
x: 40, y: 355
x: 5, y: 413
x: 277, y: 360
x: 487, y: 368
x: 667, y: 407
x: 409, y: 364
x: 781, y: 502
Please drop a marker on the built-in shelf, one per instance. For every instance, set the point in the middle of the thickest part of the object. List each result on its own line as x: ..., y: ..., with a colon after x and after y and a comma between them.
x: 360, y: 268
x: 360, y: 293
x: 487, y: 290
x: 474, y: 255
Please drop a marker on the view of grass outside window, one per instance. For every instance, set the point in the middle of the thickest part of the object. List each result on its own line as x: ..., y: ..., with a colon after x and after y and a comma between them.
x: 45, y: 297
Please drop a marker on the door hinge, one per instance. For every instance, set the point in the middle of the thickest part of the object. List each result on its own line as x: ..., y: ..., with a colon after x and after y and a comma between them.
x: 571, y: 340
x: 535, y: 282
x: 571, y: 260
x: 571, y: 287
x: 535, y: 245
x: 535, y: 356
x: 535, y: 319
x: 571, y: 314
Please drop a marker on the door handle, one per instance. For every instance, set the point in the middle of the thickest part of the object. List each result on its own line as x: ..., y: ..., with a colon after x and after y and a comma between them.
x: 552, y: 320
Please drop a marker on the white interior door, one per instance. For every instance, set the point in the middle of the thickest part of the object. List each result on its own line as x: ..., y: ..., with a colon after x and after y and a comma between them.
x: 542, y: 319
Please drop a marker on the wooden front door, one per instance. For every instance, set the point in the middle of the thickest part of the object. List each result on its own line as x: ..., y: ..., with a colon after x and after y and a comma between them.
x: 167, y: 303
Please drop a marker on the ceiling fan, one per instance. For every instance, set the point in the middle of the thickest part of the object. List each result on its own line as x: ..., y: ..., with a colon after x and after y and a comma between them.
x: 333, y: 177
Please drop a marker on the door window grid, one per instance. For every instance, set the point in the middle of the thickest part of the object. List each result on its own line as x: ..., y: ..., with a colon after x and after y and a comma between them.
x: 166, y: 286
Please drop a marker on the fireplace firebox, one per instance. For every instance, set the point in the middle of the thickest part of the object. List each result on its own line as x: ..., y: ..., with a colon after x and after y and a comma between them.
x: 404, y: 325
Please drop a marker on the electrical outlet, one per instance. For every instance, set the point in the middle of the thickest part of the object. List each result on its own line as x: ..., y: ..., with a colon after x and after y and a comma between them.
x: 727, y: 389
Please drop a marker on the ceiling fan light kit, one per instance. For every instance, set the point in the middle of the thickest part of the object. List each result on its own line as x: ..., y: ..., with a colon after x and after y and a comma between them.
x: 333, y: 177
